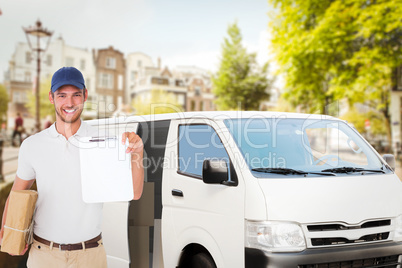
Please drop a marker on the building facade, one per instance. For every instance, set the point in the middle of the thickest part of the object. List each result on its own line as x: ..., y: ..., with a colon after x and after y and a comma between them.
x: 137, y: 65
x: 199, y: 88
x: 145, y: 77
x: 110, y: 81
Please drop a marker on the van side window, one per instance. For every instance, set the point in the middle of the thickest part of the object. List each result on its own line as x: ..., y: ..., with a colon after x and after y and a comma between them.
x: 197, y: 143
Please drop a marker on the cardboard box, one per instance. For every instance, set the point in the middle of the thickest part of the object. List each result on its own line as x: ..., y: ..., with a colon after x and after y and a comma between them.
x: 21, y: 206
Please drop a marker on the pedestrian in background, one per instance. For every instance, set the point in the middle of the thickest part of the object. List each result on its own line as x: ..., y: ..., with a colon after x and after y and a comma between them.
x: 18, y: 129
x: 67, y: 231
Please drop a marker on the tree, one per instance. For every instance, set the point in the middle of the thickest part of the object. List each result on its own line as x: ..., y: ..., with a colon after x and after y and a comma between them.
x: 46, y: 108
x: 358, y: 119
x: 335, y: 49
x: 3, y: 104
x: 239, y: 82
x: 159, y: 102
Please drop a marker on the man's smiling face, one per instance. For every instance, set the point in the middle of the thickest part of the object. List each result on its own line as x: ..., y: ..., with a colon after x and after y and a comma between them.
x: 68, y: 103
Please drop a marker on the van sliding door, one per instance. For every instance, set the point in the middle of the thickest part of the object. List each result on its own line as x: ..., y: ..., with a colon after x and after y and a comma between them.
x: 114, y: 222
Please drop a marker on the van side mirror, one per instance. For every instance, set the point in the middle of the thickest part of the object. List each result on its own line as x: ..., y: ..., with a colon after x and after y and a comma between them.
x: 215, y: 171
x: 390, y: 159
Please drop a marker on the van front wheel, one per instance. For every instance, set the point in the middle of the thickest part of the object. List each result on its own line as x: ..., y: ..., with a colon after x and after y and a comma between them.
x: 202, y: 260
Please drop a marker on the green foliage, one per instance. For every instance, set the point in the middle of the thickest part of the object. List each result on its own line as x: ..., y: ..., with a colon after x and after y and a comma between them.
x: 358, y: 120
x: 3, y: 103
x: 159, y: 102
x: 46, y: 108
x: 239, y: 83
x: 335, y: 49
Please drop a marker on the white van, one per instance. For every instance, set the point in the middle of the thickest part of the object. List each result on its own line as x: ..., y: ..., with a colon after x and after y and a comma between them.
x: 255, y: 189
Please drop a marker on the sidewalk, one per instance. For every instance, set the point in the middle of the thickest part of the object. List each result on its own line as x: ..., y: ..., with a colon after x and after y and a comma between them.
x: 10, y: 162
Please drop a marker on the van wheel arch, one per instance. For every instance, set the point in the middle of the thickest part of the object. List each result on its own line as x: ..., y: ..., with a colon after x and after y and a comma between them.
x: 196, y: 252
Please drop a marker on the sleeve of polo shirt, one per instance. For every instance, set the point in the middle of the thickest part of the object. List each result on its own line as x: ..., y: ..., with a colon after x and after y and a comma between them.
x: 25, y: 170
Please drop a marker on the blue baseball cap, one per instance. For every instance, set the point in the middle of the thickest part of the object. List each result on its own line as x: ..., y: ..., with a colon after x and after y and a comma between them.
x: 67, y: 76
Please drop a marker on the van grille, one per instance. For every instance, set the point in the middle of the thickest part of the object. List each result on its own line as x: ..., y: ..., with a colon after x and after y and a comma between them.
x: 339, y: 240
x: 339, y: 233
x: 337, y: 227
x: 381, y: 262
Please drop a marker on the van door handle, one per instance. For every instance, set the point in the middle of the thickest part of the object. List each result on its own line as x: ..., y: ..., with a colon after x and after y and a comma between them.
x: 176, y: 192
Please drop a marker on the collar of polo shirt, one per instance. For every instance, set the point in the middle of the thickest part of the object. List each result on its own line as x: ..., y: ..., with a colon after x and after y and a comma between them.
x: 82, y: 131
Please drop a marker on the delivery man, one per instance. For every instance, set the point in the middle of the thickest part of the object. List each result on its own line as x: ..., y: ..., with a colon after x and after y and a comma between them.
x: 67, y: 231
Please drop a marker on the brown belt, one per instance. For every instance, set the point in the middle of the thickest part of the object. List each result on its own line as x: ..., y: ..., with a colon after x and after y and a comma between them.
x: 92, y: 243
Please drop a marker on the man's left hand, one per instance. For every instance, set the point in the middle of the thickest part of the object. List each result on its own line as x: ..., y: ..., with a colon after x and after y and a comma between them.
x: 135, y: 145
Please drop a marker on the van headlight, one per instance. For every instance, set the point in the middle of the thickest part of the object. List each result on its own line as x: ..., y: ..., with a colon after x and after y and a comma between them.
x: 398, y: 228
x: 275, y: 236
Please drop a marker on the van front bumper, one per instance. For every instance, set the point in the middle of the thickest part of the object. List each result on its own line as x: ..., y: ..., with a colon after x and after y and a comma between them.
x: 388, y: 253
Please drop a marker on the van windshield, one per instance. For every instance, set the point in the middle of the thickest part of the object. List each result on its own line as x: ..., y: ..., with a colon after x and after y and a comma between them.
x: 302, y: 146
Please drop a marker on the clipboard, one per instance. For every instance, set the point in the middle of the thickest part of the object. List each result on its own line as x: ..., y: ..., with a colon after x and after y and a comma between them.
x: 105, y: 170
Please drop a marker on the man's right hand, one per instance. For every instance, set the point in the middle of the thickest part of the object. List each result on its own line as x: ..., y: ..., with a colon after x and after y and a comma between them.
x: 23, y: 252
x: 1, y: 241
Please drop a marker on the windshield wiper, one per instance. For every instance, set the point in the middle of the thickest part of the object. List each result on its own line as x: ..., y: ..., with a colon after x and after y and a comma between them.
x: 351, y: 169
x: 286, y: 171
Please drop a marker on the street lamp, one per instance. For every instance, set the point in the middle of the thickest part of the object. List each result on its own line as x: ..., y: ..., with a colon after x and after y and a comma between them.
x: 42, y: 36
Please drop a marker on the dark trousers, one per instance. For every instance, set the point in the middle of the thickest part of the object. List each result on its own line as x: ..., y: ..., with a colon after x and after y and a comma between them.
x: 16, y: 133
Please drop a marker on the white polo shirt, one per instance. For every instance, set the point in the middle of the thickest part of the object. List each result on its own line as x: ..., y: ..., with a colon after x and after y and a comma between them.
x: 61, y: 214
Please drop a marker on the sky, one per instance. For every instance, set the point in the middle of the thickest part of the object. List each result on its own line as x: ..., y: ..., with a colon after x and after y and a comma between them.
x: 180, y: 32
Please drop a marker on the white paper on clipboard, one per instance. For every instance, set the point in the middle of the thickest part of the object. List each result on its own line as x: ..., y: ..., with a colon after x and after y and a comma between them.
x: 105, y: 170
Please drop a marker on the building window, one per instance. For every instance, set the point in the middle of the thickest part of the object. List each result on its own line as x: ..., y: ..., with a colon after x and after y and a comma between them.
x: 179, y: 83
x: 19, y: 97
x: 192, y: 105
x: 139, y: 64
x: 28, y: 77
x: 109, y: 99
x: 111, y: 106
x: 28, y: 57
x: 69, y: 61
x: 197, y: 91
x: 82, y: 64
x: 120, y: 82
x: 105, y: 80
x: 202, y: 106
x: 160, y: 81
x: 110, y: 63
x: 133, y: 75
x: 181, y: 99
x: 16, y: 97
